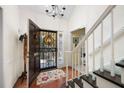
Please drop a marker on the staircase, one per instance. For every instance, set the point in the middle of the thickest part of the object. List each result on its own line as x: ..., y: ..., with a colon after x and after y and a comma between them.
x: 97, y: 78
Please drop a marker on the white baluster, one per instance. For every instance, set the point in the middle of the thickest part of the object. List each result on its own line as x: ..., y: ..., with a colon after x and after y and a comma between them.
x: 66, y: 60
x: 87, y: 63
x: 82, y: 61
x: 75, y: 64
x: 93, y: 76
x: 101, y: 50
x: 79, y: 62
x: 72, y: 63
x: 112, y: 47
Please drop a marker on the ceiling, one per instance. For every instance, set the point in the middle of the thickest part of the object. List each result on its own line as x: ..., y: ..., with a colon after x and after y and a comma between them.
x: 41, y: 9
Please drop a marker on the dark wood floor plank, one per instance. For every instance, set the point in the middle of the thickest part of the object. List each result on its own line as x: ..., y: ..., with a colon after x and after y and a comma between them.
x: 21, y: 83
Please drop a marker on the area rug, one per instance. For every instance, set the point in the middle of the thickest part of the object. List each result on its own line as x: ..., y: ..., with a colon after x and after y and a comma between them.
x: 49, y: 76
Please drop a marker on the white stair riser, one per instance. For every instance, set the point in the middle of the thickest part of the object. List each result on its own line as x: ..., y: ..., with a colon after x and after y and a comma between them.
x: 86, y: 85
x: 76, y: 86
x: 102, y: 83
x: 70, y: 87
x: 122, y: 75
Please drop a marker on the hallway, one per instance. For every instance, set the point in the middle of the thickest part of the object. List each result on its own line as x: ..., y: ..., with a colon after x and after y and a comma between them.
x: 34, y: 40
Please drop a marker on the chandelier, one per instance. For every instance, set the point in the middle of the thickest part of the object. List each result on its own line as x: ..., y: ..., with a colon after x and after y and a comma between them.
x: 55, y: 10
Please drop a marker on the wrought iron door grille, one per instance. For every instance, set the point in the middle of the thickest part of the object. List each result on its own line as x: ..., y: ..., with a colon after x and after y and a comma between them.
x: 48, y: 49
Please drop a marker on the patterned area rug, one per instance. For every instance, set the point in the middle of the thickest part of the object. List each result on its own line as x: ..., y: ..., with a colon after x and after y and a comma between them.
x: 45, y: 77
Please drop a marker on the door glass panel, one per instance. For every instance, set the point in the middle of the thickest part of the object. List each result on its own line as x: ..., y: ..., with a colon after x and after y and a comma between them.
x: 48, y: 49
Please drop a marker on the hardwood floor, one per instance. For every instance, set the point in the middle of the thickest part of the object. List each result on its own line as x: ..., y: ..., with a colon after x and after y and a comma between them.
x: 54, y: 84
x: 60, y: 83
x: 21, y: 83
x: 70, y: 72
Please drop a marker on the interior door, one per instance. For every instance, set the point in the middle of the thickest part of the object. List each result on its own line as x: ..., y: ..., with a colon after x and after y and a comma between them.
x: 34, y: 54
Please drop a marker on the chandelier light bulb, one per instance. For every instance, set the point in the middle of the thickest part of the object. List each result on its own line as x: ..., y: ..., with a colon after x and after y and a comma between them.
x: 47, y: 10
x: 53, y: 15
x: 63, y: 8
x: 62, y: 14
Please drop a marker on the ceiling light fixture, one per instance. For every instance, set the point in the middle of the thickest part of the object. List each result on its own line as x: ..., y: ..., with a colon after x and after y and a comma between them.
x: 55, y: 10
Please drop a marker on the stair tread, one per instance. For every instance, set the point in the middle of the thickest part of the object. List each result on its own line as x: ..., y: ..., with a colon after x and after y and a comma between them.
x: 78, y: 82
x: 67, y: 86
x: 107, y: 75
x: 120, y: 64
x: 89, y: 80
x: 71, y: 83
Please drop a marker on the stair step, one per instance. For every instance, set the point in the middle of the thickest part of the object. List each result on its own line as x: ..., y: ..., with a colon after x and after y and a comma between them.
x: 78, y: 82
x: 120, y: 64
x: 67, y: 86
x: 89, y: 80
x: 71, y: 84
x: 107, y: 76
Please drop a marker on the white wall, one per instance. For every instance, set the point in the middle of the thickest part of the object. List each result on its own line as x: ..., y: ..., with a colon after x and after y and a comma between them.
x: 11, y: 64
x: 78, y: 17
x: 44, y: 22
x: 76, y: 21
x: 15, y: 23
x: 84, y: 16
x: 93, y: 12
x: 1, y: 48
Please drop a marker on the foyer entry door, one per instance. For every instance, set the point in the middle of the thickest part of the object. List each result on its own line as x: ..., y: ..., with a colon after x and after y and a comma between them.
x: 34, y: 54
x: 48, y: 49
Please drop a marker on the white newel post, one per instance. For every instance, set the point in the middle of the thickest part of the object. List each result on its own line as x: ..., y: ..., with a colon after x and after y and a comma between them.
x: 87, y: 63
x: 72, y: 63
x: 101, y: 50
x: 75, y: 64
x: 93, y: 76
x: 112, y: 47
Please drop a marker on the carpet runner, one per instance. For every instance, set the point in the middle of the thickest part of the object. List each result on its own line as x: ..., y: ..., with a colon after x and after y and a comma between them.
x: 49, y: 76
